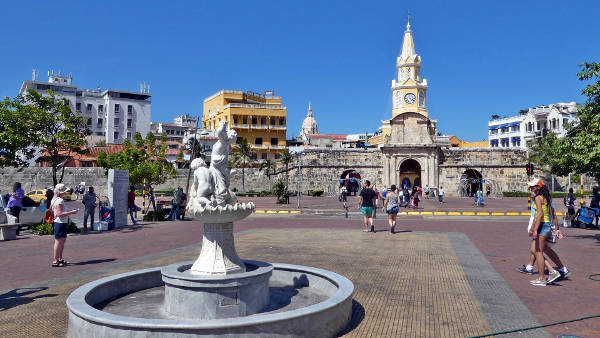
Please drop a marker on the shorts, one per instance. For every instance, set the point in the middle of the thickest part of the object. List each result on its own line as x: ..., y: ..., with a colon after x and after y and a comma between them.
x: 367, y: 210
x: 60, y: 230
x: 393, y: 210
x: 545, y: 230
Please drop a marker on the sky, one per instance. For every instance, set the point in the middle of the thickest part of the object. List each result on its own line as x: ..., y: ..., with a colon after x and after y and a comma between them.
x: 480, y: 58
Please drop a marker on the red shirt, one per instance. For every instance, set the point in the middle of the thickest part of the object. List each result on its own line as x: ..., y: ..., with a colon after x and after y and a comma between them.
x: 131, y: 199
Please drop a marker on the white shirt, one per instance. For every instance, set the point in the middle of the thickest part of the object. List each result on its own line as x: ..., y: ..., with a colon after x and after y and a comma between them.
x: 56, y: 201
x: 441, y: 193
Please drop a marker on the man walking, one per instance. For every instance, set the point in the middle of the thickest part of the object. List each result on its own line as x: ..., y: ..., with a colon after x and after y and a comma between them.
x: 441, y: 194
x: 131, y: 204
x: 366, y: 202
x: 89, y: 202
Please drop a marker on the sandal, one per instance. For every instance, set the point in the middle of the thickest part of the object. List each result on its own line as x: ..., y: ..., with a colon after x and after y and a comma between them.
x: 62, y: 263
x: 55, y: 264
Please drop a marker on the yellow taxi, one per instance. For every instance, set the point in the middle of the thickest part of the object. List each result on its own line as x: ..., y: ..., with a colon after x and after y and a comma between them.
x: 37, y: 195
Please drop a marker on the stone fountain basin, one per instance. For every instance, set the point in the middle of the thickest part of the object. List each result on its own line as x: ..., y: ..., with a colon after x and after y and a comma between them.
x: 89, y: 317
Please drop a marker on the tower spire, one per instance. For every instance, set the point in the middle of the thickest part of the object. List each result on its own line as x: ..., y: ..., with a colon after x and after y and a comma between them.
x: 408, y: 21
x: 408, y: 45
x: 310, y: 109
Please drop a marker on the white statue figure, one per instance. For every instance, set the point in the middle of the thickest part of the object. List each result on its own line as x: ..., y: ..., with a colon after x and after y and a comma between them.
x: 210, y: 187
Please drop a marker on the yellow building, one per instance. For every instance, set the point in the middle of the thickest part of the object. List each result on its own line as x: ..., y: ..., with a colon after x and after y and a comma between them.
x: 409, y: 90
x: 258, y: 118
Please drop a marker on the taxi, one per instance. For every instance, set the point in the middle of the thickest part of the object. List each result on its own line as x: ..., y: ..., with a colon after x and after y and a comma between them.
x: 37, y: 195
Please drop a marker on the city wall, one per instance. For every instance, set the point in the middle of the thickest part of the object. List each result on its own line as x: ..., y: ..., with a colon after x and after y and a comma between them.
x: 322, y: 168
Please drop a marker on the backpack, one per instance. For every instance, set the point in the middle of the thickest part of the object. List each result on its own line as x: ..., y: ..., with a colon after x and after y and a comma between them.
x: 49, y: 215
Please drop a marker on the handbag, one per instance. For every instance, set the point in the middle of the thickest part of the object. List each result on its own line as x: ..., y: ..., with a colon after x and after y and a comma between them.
x: 49, y: 215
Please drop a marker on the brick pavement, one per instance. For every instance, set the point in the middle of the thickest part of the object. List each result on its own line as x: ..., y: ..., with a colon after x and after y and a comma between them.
x: 502, y: 243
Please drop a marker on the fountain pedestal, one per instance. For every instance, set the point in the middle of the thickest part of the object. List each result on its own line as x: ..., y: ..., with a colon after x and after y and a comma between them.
x: 218, y: 255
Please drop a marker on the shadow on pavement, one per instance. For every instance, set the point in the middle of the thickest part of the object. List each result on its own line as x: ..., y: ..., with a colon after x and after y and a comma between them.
x: 358, y: 314
x: 94, y: 261
x: 595, y: 236
x: 18, y: 297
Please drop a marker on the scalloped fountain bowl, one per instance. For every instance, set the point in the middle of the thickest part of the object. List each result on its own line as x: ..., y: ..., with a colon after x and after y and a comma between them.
x: 301, y: 302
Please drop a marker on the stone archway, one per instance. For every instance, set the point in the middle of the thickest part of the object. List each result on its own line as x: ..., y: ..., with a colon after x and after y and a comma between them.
x: 470, y: 181
x: 410, y: 173
x: 352, y: 180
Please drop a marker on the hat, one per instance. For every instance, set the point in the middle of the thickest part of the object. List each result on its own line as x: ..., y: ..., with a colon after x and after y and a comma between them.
x: 535, y: 181
x: 60, y: 189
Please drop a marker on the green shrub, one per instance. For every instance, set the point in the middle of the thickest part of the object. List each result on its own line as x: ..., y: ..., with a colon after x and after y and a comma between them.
x: 265, y: 193
x: 160, y: 216
x: 316, y: 193
x: 72, y: 228
x: 280, y: 192
x: 515, y: 194
x: 42, y: 229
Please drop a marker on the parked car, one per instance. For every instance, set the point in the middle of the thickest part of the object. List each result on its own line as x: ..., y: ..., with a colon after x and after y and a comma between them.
x: 37, y: 195
x: 31, y: 212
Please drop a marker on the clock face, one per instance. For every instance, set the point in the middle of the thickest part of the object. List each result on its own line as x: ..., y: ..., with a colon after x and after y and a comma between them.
x: 410, y: 98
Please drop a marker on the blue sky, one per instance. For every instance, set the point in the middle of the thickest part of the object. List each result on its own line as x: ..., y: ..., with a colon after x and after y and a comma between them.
x: 479, y: 57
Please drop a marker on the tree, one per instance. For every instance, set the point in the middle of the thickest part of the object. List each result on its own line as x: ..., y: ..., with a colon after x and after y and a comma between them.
x: 241, y: 156
x: 280, y: 191
x: 145, y: 161
x: 16, y: 134
x: 58, y: 130
x: 286, y: 159
x: 495, y: 117
x: 579, y: 150
x: 269, y: 166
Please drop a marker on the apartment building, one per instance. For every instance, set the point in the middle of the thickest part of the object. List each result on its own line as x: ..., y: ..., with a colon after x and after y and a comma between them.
x: 112, y: 115
x: 258, y: 118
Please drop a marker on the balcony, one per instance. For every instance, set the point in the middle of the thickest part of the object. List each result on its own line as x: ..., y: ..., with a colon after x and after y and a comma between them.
x: 278, y: 127
x: 255, y: 106
x: 241, y: 126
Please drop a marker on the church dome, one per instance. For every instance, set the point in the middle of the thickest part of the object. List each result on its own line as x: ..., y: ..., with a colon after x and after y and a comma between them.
x: 309, y: 126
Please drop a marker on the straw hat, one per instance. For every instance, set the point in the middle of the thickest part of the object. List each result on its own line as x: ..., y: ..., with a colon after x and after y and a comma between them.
x: 60, y: 189
x: 534, y: 182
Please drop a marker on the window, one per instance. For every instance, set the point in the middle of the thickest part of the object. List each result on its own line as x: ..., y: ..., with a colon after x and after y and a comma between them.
x: 263, y: 121
x: 99, y: 133
x: 282, y: 121
x: 235, y: 119
x: 130, y: 109
x: 254, y: 120
x: 78, y: 106
x: 244, y: 120
x: 89, y: 122
x: 89, y: 108
x: 100, y: 108
x: 253, y: 156
x: 99, y: 123
x: 263, y: 156
x: 129, y: 123
x: 258, y: 140
x: 277, y: 156
x: 116, y: 121
x: 274, y: 141
x: 129, y: 136
x: 117, y: 108
x: 116, y: 135
x: 272, y: 121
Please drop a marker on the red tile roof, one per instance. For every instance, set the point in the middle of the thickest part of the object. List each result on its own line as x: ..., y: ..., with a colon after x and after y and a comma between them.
x: 337, y: 137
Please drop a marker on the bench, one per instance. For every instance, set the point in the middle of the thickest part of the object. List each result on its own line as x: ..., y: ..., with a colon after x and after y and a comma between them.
x: 8, y: 231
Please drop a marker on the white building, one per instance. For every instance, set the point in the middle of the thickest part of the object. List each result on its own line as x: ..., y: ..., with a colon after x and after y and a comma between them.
x: 112, y: 115
x: 521, y: 130
x: 181, y: 130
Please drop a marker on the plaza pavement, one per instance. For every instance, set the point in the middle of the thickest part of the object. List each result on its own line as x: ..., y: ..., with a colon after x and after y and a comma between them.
x: 440, y: 276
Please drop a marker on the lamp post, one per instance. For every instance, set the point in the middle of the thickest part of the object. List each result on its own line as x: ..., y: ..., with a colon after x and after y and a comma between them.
x: 299, y: 181
x: 192, y: 157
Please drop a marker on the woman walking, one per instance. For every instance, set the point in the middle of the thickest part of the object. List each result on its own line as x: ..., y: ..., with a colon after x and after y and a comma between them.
x: 60, y: 224
x: 391, y: 207
x: 15, y: 202
x: 541, y: 229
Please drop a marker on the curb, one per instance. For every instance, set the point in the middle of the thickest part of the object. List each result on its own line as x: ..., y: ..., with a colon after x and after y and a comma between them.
x: 407, y: 213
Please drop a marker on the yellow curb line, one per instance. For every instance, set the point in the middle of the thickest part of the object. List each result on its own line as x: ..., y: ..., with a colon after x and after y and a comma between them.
x: 560, y: 213
x: 271, y: 212
x: 512, y: 214
x: 414, y: 213
x: 283, y: 211
x: 525, y: 214
x: 426, y: 213
x: 468, y: 213
x: 295, y: 212
x: 439, y: 213
x: 259, y: 211
x: 483, y: 213
x: 402, y: 213
x: 453, y: 213
x: 497, y: 214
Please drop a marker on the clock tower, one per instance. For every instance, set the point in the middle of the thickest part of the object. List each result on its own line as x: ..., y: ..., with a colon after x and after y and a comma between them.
x: 409, y: 90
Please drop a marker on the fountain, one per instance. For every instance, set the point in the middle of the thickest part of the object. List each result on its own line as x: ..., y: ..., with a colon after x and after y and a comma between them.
x: 219, y: 293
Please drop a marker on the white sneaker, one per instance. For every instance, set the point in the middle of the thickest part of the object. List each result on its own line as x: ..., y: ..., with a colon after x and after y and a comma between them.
x: 552, y: 276
x: 565, y: 274
x: 538, y: 282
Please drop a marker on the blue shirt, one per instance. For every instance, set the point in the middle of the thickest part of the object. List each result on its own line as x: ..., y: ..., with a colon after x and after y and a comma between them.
x: 16, y: 201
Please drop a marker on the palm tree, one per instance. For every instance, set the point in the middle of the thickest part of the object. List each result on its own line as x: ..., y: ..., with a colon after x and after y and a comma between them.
x: 269, y: 165
x: 286, y: 159
x: 242, y: 156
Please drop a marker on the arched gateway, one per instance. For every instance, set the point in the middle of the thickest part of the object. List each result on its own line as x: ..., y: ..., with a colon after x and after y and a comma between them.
x: 410, y: 173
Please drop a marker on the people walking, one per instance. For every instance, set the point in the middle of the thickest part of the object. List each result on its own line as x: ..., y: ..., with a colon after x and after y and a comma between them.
x: 15, y: 202
x: 344, y: 196
x: 416, y: 198
x: 151, y: 199
x: 175, y: 204
x: 595, y: 203
x: 569, y: 202
x: 49, y: 196
x: 131, y: 204
x: 377, y: 197
x: 89, y: 202
x: 390, y: 205
x: 441, y: 195
x: 366, y: 203
x: 59, y: 224
x: 426, y: 191
x: 541, y: 231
